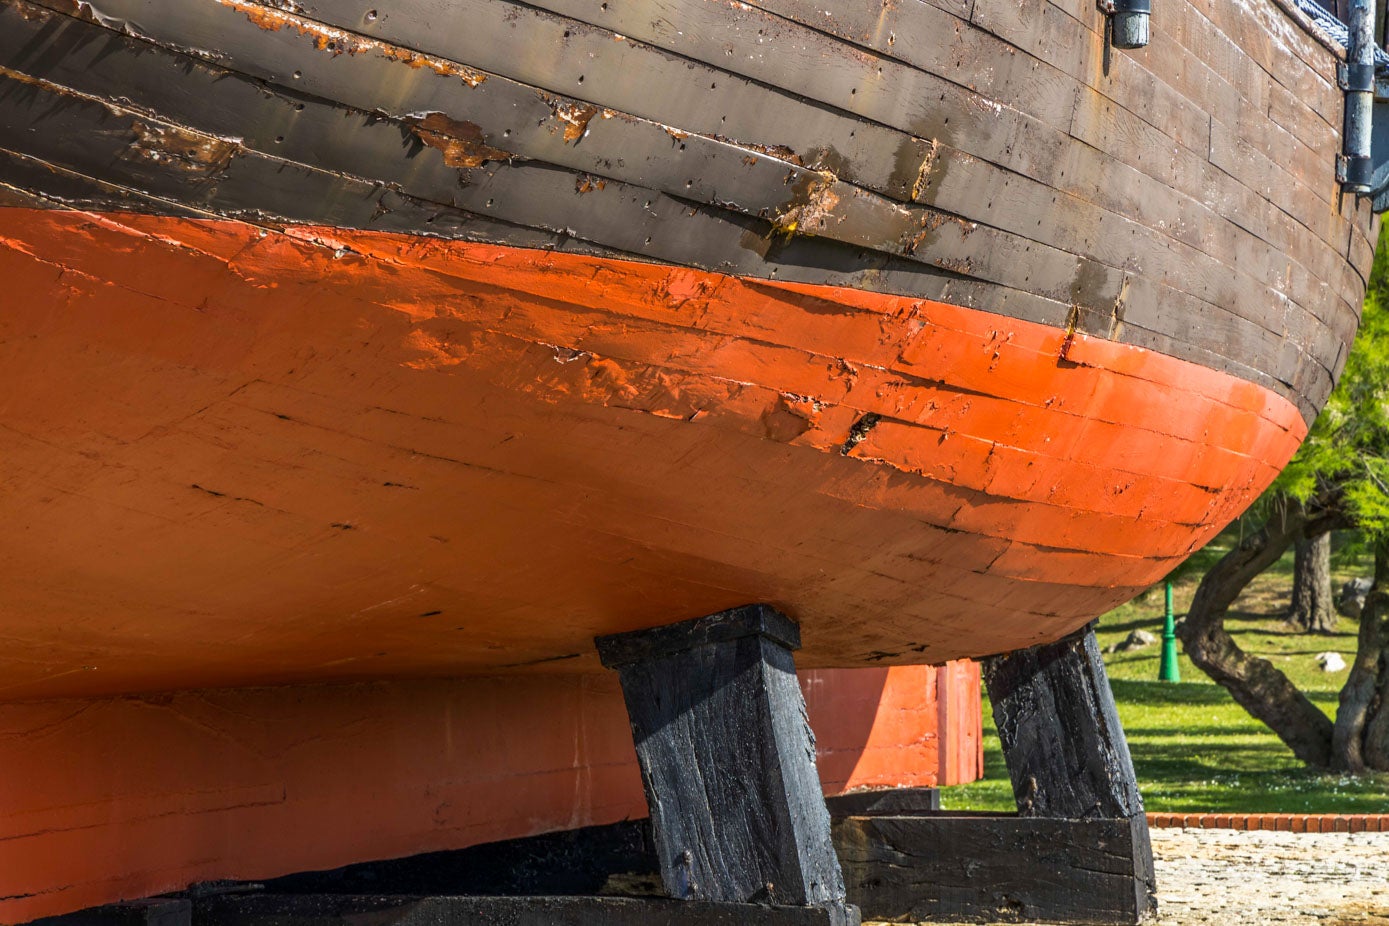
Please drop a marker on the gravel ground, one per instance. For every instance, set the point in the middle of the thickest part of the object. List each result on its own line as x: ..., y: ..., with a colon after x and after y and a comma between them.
x: 1282, y: 879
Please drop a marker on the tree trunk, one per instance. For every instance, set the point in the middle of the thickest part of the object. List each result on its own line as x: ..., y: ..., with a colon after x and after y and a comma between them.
x: 1311, y: 610
x: 1376, y: 748
x: 1361, y: 738
x: 1256, y: 684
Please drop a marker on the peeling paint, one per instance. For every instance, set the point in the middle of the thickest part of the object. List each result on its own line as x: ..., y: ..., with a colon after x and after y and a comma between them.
x: 182, y: 149
x: 1116, y: 325
x: 961, y: 265
x: 924, y: 172
x: 461, y: 143
x: 173, y: 147
x: 780, y: 152
x: 340, y: 41
x: 587, y: 184
x: 931, y: 221
x: 984, y: 104
x: 788, y: 419
x: 575, y: 117
x: 1068, y: 341
x: 859, y: 431
x: 811, y: 207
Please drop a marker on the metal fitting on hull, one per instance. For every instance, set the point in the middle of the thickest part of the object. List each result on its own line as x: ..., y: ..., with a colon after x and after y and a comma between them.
x: 1129, y: 20
x: 1354, y: 168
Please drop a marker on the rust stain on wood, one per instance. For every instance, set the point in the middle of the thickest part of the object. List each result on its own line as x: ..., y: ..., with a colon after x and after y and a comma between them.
x: 1116, y: 322
x: 923, y: 174
x: 960, y: 265
x: 461, y: 142
x: 172, y: 146
x: 181, y: 149
x: 780, y: 152
x: 932, y: 221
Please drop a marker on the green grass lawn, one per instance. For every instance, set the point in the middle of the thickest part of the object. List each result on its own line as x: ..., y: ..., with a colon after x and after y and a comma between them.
x: 1194, y: 748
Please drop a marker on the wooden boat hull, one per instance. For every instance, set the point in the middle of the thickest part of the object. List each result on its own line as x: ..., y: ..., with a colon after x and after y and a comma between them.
x: 492, y: 404
x: 382, y: 354
x: 382, y: 463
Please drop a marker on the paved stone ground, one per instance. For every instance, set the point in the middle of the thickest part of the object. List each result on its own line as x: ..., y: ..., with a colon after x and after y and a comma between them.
x: 1213, y: 876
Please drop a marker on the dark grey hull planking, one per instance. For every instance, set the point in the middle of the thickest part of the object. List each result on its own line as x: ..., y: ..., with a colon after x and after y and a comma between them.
x: 986, y: 153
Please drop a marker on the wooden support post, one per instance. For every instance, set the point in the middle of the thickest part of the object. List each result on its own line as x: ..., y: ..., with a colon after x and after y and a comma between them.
x: 1063, y: 743
x: 728, y: 760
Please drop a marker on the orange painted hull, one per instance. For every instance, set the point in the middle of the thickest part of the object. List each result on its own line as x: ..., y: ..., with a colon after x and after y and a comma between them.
x: 129, y: 797
x: 325, y: 455
x: 354, y: 464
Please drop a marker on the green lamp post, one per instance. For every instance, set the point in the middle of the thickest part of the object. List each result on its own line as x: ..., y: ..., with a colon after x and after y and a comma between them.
x: 1167, y: 668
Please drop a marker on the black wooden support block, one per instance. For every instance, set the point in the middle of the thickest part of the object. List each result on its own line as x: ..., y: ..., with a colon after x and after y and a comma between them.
x: 994, y: 868
x: 1060, y: 731
x: 572, y: 863
x: 355, y: 910
x: 903, y: 802
x: 154, y: 911
x: 1062, y: 740
x: 728, y: 760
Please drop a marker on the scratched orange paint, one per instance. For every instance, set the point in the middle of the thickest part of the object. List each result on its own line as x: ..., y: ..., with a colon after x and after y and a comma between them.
x: 258, y: 458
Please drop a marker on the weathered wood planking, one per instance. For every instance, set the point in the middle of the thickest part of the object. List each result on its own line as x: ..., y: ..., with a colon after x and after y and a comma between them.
x: 1218, y: 294
x: 744, y: 52
x: 741, y: 57
x: 900, y: 27
x: 385, y: 158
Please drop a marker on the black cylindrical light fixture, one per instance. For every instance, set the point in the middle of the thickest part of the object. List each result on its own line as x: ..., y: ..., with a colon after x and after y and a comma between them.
x: 1129, y: 23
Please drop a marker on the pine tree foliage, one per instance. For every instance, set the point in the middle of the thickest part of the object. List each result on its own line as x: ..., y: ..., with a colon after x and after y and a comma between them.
x: 1345, y: 459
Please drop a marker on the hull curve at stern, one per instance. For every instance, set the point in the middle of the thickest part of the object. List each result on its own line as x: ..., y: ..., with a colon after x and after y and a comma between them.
x: 423, y: 446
